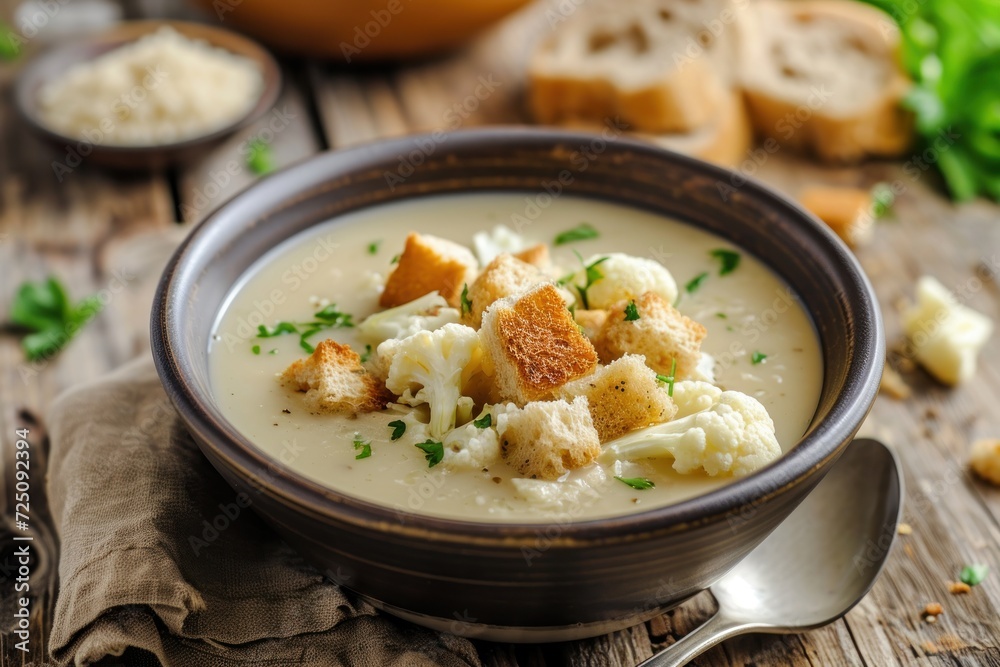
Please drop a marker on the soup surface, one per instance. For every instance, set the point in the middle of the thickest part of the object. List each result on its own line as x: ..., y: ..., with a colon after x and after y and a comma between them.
x: 763, y: 343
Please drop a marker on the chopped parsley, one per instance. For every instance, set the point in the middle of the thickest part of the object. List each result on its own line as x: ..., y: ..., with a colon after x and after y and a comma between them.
x: 581, y: 232
x: 373, y: 247
x: 44, y: 311
x: 466, y: 301
x: 882, y: 199
x: 398, y: 429
x: 259, y: 157
x: 367, y: 354
x: 669, y: 379
x: 593, y: 274
x: 631, y: 311
x: 637, y: 483
x: 273, y: 350
x: 364, y: 445
x: 327, y: 318
x: 974, y: 574
x: 729, y: 260
x: 484, y: 422
x: 757, y: 357
x: 695, y: 283
x: 433, y: 452
x: 10, y: 42
x: 394, y: 260
x: 721, y: 316
x: 255, y: 349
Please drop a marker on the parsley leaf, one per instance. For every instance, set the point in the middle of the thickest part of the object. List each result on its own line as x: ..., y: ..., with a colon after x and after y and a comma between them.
x: 327, y: 318
x: 398, y: 429
x: 695, y: 283
x: 592, y: 273
x: 637, y: 483
x: 255, y: 349
x: 364, y: 445
x: 394, y: 260
x: 721, y: 316
x: 367, y: 354
x: 466, y: 301
x: 730, y: 259
x: 373, y: 247
x: 882, y: 199
x: 669, y: 379
x: 631, y: 311
x: 757, y: 357
x: 44, y: 310
x: 433, y: 452
x: 484, y: 422
x: 974, y: 574
x: 259, y: 157
x: 581, y: 232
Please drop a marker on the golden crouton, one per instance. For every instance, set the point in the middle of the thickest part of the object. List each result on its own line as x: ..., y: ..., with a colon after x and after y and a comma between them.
x: 547, y: 439
x: 661, y: 334
x: 533, y: 345
x: 623, y: 396
x: 504, y: 276
x: 334, y: 381
x: 429, y: 263
x: 984, y: 459
x: 591, y: 321
x: 537, y: 255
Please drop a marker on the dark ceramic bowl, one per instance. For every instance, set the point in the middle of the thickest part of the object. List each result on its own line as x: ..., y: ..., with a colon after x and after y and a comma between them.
x: 55, y: 61
x: 521, y: 582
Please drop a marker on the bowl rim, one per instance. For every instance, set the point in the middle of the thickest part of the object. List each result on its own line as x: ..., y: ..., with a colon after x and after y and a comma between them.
x: 31, y: 78
x: 822, y: 443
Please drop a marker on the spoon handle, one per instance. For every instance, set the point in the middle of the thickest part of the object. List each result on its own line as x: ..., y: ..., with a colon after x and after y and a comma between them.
x: 687, y: 648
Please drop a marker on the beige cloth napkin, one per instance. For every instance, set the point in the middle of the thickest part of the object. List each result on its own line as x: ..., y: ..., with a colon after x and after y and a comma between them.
x: 129, y: 489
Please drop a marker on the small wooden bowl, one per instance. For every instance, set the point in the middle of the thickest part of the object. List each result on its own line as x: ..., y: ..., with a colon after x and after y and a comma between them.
x: 50, y: 64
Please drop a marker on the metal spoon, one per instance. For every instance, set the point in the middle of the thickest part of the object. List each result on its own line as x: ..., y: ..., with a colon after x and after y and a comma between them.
x: 816, y: 565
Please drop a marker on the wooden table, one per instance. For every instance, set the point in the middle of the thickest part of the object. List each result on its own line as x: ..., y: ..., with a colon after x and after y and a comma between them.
x: 95, y: 226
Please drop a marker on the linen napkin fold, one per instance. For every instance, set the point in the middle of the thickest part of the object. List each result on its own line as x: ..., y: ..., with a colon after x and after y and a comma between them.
x: 143, y: 582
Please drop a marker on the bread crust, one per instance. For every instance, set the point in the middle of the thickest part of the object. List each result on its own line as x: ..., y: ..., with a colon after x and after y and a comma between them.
x: 534, y: 346
x: 333, y: 380
x: 426, y: 264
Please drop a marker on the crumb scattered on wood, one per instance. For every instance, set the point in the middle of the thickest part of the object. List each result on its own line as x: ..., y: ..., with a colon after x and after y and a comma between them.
x: 893, y: 385
x: 932, y: 611
x: 958, y: 588
x: 929, y: 647
x: 904, y: 529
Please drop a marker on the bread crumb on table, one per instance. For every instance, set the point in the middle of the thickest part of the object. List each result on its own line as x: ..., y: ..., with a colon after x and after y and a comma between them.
x: 958, y: 587
x: 894, y: 385
x: 984, y: 459
x: 904, y: 529
x: 931, y: 611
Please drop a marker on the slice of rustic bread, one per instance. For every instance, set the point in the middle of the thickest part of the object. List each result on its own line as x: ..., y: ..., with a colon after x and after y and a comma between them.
x: 822, y: 76
x: 654, y: 65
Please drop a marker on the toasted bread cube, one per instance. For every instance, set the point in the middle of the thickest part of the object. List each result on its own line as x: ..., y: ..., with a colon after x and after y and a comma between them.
x: 847, y: 211
x: 623, y: 396
x: 334, y: 380
x: 429, y: 264
x: 547, y: 439
x: 591, y: 321
x: 538, y: 255
x: 661, y: 334
x: 984, y: 458
x: 533, y: 345
x: 504, y: 276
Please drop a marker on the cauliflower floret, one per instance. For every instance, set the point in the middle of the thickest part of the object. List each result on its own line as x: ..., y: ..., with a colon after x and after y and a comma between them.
x: 574, y: 493
x: 474, y: 446
x: 489, y: 245
x: 985, y: 460
x: 735, y: 435
x: 691, y: 396
x: 427, y: 368
x: 625, y: 277
x: 427, y: 313
x: 946, y: 335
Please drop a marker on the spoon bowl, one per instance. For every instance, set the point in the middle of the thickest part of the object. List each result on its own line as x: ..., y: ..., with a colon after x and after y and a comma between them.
x: 816, y: 565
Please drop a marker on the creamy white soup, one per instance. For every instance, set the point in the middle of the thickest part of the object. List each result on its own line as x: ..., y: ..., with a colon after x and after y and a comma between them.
x: 762, y: 342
